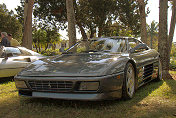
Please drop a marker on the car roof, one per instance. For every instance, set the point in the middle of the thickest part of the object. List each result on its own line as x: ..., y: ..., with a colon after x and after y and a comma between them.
x: 21, y: 48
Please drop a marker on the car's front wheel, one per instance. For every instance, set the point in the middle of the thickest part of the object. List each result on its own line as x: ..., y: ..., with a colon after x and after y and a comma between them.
x: 129, y: 82
x: 159, y: 76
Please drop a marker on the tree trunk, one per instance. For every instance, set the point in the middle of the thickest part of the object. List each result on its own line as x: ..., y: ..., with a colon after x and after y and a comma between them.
x: 39, y: 49
x: 27, y: 36
x: 36, y: 47
x: 54, y: 46
x: 163, y: 39
x: 151, y: 40
x: 92, y: 32
x: 143, y: 21
x: 172, y: 26
x: 46, y: 46
x: 71, y: 22
x: 100, y: 31
x: 83, y: 33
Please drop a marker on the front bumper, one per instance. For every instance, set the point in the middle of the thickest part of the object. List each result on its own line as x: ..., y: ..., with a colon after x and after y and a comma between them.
x: 73, y: 96
x: 110, y: 88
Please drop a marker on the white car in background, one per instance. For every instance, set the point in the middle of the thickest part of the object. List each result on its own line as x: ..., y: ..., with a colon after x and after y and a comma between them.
x: 14, y: 59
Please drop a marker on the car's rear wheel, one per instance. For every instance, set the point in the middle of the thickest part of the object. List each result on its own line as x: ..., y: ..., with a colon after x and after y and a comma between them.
x: 129, y: 82
x: 159, y: 76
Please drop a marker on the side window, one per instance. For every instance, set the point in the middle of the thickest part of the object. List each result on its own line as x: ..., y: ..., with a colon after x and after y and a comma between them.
x: 133, y: 43
x: 10, y: 51
x: 123, y: 46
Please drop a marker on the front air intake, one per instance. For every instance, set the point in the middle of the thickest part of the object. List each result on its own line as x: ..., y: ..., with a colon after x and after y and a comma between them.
x: 51, y: 85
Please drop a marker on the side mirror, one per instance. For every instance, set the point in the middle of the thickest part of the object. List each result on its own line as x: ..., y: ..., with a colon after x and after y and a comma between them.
x: 139, y: 47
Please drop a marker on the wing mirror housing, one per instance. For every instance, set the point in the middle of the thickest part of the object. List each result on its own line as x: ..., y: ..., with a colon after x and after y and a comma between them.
x: 141, y: 46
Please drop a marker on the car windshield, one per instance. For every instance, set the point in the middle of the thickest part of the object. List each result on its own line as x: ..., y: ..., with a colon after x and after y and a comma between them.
x: 112, y: 45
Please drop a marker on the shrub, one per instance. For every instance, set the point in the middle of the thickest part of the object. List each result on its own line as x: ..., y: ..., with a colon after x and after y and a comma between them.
x: 172, y: 64
x: 50, y: 52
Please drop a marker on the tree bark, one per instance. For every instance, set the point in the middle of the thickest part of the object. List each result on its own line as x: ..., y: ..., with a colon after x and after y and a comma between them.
x: 100, y: 31
x: 143, y: 20
x: 151, y: 40
x: 71, y: 22
x: 46, y: 46
x: 172, y: 26
x: 39, y: 49
x: 163, y: 43
x: 92, y: 32
x: 27, y: 36
x: 36, y: 47
x: 83, y: 33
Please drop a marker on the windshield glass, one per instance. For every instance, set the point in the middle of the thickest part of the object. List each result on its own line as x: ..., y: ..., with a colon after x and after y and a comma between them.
x: 112, y: 45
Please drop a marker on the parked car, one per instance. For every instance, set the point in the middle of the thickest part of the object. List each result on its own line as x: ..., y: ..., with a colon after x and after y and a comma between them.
x: 14, y: 59
x: 97, y: 69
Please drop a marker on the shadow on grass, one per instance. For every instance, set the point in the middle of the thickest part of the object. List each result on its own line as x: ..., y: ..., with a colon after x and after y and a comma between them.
x: 52, y: 108
x: 6, y: 80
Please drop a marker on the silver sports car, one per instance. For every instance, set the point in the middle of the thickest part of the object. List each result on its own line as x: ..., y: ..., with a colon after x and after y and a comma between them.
x: 14, y: 59
x: 97, y: 69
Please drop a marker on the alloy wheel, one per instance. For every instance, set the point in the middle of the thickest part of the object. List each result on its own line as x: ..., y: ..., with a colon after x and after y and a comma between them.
x: 130, y: 81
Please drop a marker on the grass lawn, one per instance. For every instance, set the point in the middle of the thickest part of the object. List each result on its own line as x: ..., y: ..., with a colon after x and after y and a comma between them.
x: 154, y: 100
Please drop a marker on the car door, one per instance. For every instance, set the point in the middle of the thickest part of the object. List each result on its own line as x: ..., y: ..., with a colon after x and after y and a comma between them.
x: 144, y: 58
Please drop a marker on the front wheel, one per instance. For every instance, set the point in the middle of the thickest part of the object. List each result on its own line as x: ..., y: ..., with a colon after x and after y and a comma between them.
x: 159, y: 75
x: 129, y: 82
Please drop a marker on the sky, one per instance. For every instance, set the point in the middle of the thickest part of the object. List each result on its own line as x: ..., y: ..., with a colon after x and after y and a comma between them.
x: 152, y: 4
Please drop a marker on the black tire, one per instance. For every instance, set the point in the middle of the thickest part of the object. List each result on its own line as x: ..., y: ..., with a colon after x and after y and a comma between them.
x: 159, y: 75
x: 128, y: 89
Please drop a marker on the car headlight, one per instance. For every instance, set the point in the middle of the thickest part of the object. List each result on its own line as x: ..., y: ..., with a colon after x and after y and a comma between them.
x: 20, y: 84
x: 89, y: 86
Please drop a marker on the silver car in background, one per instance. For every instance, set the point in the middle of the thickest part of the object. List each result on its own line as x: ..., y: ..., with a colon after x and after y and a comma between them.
x: 14, y: 59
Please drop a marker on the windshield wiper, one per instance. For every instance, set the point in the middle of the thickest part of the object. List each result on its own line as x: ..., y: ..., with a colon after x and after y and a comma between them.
x: 67, y: 52
x: 92, y: 51
x: 89, y: 51
x: 106, y: 50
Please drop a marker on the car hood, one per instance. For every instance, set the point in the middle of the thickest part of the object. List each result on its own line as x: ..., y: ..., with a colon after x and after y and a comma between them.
x: 74, y: 65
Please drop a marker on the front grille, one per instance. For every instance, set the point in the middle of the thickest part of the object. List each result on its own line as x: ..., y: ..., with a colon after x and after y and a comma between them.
x: 51, y: 85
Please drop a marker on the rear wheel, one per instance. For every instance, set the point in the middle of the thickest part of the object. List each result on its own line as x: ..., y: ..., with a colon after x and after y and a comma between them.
x: 129, y: 82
